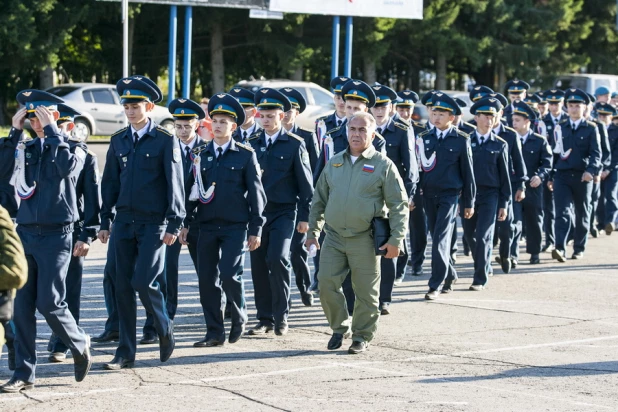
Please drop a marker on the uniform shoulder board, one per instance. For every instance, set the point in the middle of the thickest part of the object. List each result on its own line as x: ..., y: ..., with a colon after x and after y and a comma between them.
x: 305, y: 130
x: 464, y: 134
x: 254, y: 135
x: 402, y: 126
x: 245, y: 146
x: 470, y: 125
x: 423, y: 133
x: 91, y: 153
x: 563, y: 121
x: 164, y: 130
x: 593, y: 124
x: 295, y: 136
x: 539, y: 136
x: 333, y: 130
x: 510, y: 129
x: 321, y: 118
x: 124, y: 129
x: 501, y: 140
x: 417, y: 124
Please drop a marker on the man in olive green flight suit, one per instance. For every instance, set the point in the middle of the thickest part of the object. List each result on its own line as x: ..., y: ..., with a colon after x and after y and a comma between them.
x: 13, y: 265
x: 356, y: 185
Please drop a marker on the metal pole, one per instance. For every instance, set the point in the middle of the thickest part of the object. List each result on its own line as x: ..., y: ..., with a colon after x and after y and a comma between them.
x: 349, y: 29
x: 125, y: 38
x: 171, y: 93
x: 186, y: 78
x: 334, y: 66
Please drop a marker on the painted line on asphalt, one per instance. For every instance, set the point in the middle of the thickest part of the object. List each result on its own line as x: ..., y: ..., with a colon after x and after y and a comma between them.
x: 39, y: 396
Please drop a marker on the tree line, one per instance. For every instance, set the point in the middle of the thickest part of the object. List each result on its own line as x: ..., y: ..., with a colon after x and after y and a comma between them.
x: 489, y: 41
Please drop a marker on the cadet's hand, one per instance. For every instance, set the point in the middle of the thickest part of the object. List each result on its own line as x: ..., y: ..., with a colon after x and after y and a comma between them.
x: 254, y: 242
x: 520, y: 195
x: 310, y: 242
x: 169, y: 239
x: 550, y: 186
x: 391, y: 251
x: 502, y: 213
x: 45, y: 116
x: 535, y: 182
x: 411, y: 205
x: 302, y: 227
x: 604, y: 174
x: 597, y: 179
x: 103, y: 236
x: 587, y: 177
x: 81, y: 249
x: 468, y: 213
x: 182, y: 237
x: 19, y: 119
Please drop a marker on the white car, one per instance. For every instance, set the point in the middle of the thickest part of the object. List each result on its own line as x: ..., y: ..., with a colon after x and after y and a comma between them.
x: 102, y: 113
x: 319, y: 100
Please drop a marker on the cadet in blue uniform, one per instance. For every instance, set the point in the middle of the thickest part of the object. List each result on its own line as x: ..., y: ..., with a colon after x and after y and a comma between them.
x: 143, y: 181
x: 298, y: 253
x: 528, y: 213
x: 400, y: 149
x: 516, y: 92
x: 45, y: 182
x: 505, y: 230
x: 286, y: 178
x: 555, y: 98
x: 491, y: 172
x: 250, y: 126
x: 226, y: 203
x: 606, y: 211
x: 446, y: 161
x: 577, y: 161
x: 84, y: 231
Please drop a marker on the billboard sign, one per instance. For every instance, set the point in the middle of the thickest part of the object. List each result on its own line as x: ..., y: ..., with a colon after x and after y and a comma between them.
x: 397, y: 9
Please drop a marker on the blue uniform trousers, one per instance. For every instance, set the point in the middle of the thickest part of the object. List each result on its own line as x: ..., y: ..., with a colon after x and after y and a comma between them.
x: 9, y: 334
x: 418, y: 234
x: 402, y: 261
x: 140, y: 260
x: 271, y: 270
x: 73, y: 292
x: 441, y: 213
x: 506, y: 232
x: 48, y: 253
x: 573, y: 204
x: 528, y: 214
x: 608, y: 204
x: 109, y: 286
x: 219, y: 262
x: 479, y: 232
x: 299, y: 259
x: 549, y: 218
x: 595, y: 197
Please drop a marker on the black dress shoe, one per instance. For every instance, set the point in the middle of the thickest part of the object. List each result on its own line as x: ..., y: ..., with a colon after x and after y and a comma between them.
x: 149, y: 339
x: 476, y: 288
x: 236, y: 332
x: 548, y: 248
x: 281, y: 328
x: 209, y: 343
x: 398, y: 280
x: 119, y: 363
x: 357, y: 347
x: 51, y: 343
x: 594, y: 233
x: 534, y: 259
x: 410, y: 263
x: 578, y: 255
x: 16, y: 385
x: 57, y: 357
x: 336, y: 341
x: 432, y: 294
x: 447, y: 288
x: 558, y: 255
x: 609, y: 228
x: 11, y: 357
x: 83, y: 362
x: 505, y: 263
x: 514, y: 263
x: 307, y: 299
x: 417, y: 272
x: 107, y: 336
x: 385, y: 308
x: 167, y: 344
x: 260, y: 329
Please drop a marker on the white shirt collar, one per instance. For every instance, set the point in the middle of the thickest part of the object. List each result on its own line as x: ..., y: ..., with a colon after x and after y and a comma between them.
x: 250, y: 130
x: 224, y: 147
x: 575, y: 123
x: 485, y: 137
x: 141, y: 132
x: 340, y: 119
x: 496, y: 129
x: 443, y: 132
x: 385, y: 125
x: 274, y: 137
x: 524, y: 137
x: 190, y: 145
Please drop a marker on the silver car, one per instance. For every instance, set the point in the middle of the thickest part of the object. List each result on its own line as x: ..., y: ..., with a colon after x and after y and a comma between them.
x: 319, y: 100
x: 102, y: 113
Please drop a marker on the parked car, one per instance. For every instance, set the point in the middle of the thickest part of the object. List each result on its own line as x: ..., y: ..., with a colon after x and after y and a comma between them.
x: 102, y: 113
x: 319, y: 100
x: 587, y: 82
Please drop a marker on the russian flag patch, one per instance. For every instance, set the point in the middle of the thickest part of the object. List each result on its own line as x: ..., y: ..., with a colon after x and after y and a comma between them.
x: 368, y: 168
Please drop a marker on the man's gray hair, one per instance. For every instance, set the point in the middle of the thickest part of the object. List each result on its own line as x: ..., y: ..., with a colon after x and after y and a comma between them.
x: 366, y: 116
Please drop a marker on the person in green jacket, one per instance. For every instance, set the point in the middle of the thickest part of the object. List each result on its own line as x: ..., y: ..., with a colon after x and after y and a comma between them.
x: 356, y: 185
x: 13, y: 268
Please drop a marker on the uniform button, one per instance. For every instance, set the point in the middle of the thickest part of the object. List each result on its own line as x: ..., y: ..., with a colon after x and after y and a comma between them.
x: 281, y: 157
x: 232, y: 167
x: 147, y: 155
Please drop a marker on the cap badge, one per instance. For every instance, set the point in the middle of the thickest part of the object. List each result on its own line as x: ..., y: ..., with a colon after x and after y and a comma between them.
x: 127, y: 81
x: 236, y: 90
x: 221, y: 96
x: 27, y: 94
x: 182, y: 112
x: 181, y: 100
x: 264, y: 91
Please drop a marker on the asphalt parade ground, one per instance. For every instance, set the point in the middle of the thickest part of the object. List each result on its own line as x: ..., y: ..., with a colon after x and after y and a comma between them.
x: 542, y: 338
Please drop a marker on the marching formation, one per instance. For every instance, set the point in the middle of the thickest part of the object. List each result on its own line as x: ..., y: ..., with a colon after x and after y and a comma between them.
x: 536, y: 168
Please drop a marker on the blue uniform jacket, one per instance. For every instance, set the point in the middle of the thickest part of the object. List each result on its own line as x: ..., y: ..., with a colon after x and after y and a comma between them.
x: 310, y: 143
x: 286, y: 173
x: 606, y: 154
x: 491, y: 167
x: 7, y: 164
x: 453, y: 172
x: 537, y: 156
x: 239, y: 197
x: 612, y: 134
x: 88, y: 198
x: 400, y: 149
x: 586, y: 148
x: 517, y: 168
x: 330, y: 121
x: 144, y: 183
x: 55, y: 171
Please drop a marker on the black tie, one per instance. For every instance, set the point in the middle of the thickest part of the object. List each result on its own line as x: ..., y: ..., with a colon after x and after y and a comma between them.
x: 270, y: 143
x: 188, y: 153
x: 339, y: 122
x: 439, y: 135
x: 573, y: 126
x: 380, y: 131
x: 482, y: 139
x: 244, y: 136
x: 135, y: 139
x: 219, y: 153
